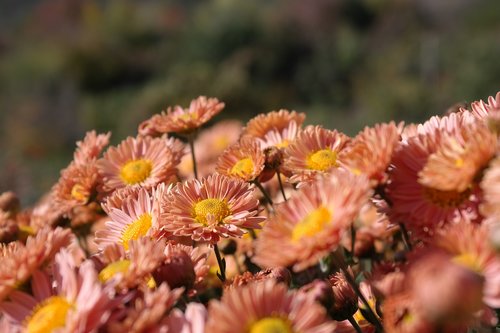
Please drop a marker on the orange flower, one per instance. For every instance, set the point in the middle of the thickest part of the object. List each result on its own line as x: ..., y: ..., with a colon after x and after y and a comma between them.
x: 277, y: 121
x: 243, y: 160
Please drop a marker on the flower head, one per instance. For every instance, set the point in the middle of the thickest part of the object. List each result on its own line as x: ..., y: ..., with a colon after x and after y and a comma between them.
x: 214, y: 207
x: 243, y: 160
x: 274, y: 121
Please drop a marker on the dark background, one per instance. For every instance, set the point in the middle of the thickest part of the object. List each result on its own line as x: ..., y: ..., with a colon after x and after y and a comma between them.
x: 68, y: 66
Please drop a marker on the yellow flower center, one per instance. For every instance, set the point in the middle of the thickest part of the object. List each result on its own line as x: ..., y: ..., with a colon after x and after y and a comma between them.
x: 216, y: 208
x: 136, y: 171
x: 271, y: 325
x: 137, y: 229
x: 468, y: 261
x: 48, y: 315
x: 313, y: 223
x: 283, y: 144
x: 322, y: 160
x: 120, y: 266
x: 446, y: 199
x: 78, y: 193
x: 243, y: 168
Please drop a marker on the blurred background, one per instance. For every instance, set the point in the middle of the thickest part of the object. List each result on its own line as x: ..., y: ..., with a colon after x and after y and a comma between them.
x: 69, y: 66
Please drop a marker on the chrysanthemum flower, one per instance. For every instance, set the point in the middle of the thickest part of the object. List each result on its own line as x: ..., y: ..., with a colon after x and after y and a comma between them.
x: 311, y: 223
x: 136, y: 218
x: 192, y: 321
x: 276, y: 121
x: 183, y: 121
x: 484, y: 109
x: 19, y: 261
x: 266, y: 307
x: 280, y: 138
x: 132, y: 268
x: 371, y: 151
x: 468, y: 246
x: 243, y: 160
x: 78, y: 303
x: 315, y: 150
x: 90, y: 147
x: 137, y: 161
x: 147, y: 313
x: 215, y: 207
x: 403, y: 315
x: 491, y: 189
x: 423, y: 208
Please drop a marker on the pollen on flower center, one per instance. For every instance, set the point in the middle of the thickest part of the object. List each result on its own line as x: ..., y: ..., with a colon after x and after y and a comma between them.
x: 137, y: 229
x: 120, y: 266
x: 283, y: 144
x: 271, y: 325
x: 446, y: 199
x: 136, y: 171
x: 215, y: 208
x: 78, y: 193
x: 242, y: 168
x: 322, y: 160
x: 468, y: 261
x: 48, y: 315
x: 311, y: 224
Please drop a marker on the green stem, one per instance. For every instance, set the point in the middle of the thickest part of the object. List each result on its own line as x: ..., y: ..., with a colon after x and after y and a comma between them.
x: 281, y: 185
x: 222, y: 264
x: 264, y: 192
x: 191, y: 145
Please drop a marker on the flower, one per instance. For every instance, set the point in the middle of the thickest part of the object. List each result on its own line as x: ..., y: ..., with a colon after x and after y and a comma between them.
x: 136, y: 218
x: 91, y: 147
x: 345, y: 299
x: 422, y: 208
x: 19, y: 261
x: 371, y: 151
x: 183, y: 121
x: 78, y: 303
x: 490, y: 185
x: 192, y: 321
x: 403, y: 315
x: 243, y: 160
x: 312, y: 222
x: 274, y: 121
x: 266, y: 307
x: 137, y: 161
x: 314, y: 151
x: 211, y: 208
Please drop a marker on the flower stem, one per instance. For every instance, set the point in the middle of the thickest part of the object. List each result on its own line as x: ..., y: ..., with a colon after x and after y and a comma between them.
x: 264, y: 192
x: 354, y: 324
x: 191, y: 145
x: 281, y: 185
x: 405, y: 236
x: 222, y: 264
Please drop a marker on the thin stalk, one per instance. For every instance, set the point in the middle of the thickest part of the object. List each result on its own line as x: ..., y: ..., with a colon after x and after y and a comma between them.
x: 354, y: 324
x: 193, y: 157
x: 405, y: 236
x: 264, y: 192
x: 222, y: 264
x: 353, y: 239
x: 354, y: 285
x: 281, y: 185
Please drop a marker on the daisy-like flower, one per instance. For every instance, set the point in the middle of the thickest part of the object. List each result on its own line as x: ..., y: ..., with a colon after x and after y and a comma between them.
x: 483, y: 109
x: 403, y: 315
x: 132, y: 268
x: 311, y: 223
x: 276, y: 121
x: 243, y: 160
x: 314, y: 151
x: 148, y: 313
x: 183, y: 121
x: 371, y: 151
x: 424, y: 208
x: 78, y: 303
x: 137, y: 161
x: 19, y: 261
x: 280, y: 138
x: 136, y: 218
x: 89, y: 149
x: 468, y: 246
x: 266, y: 307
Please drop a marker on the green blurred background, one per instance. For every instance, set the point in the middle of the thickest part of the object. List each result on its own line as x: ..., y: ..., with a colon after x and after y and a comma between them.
x: 68, y: 66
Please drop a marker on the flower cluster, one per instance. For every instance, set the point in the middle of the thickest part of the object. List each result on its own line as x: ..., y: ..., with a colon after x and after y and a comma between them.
x: 269, y: 227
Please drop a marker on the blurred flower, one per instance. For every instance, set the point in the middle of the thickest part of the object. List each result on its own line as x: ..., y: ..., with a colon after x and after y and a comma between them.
x: 274, y: 121
x: 78, y: 303
x: 266, y: 307
x: 137, y: 161
x: 192, y: 321
x: 18, y: 261
x: 214, y: 207
x: 89, y: 149
x: 315, y: 150
x: 278, y: 274
x: 403, y: 315
x: 312, y: 222
x: 243, y: 160
x: 180, y: 120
